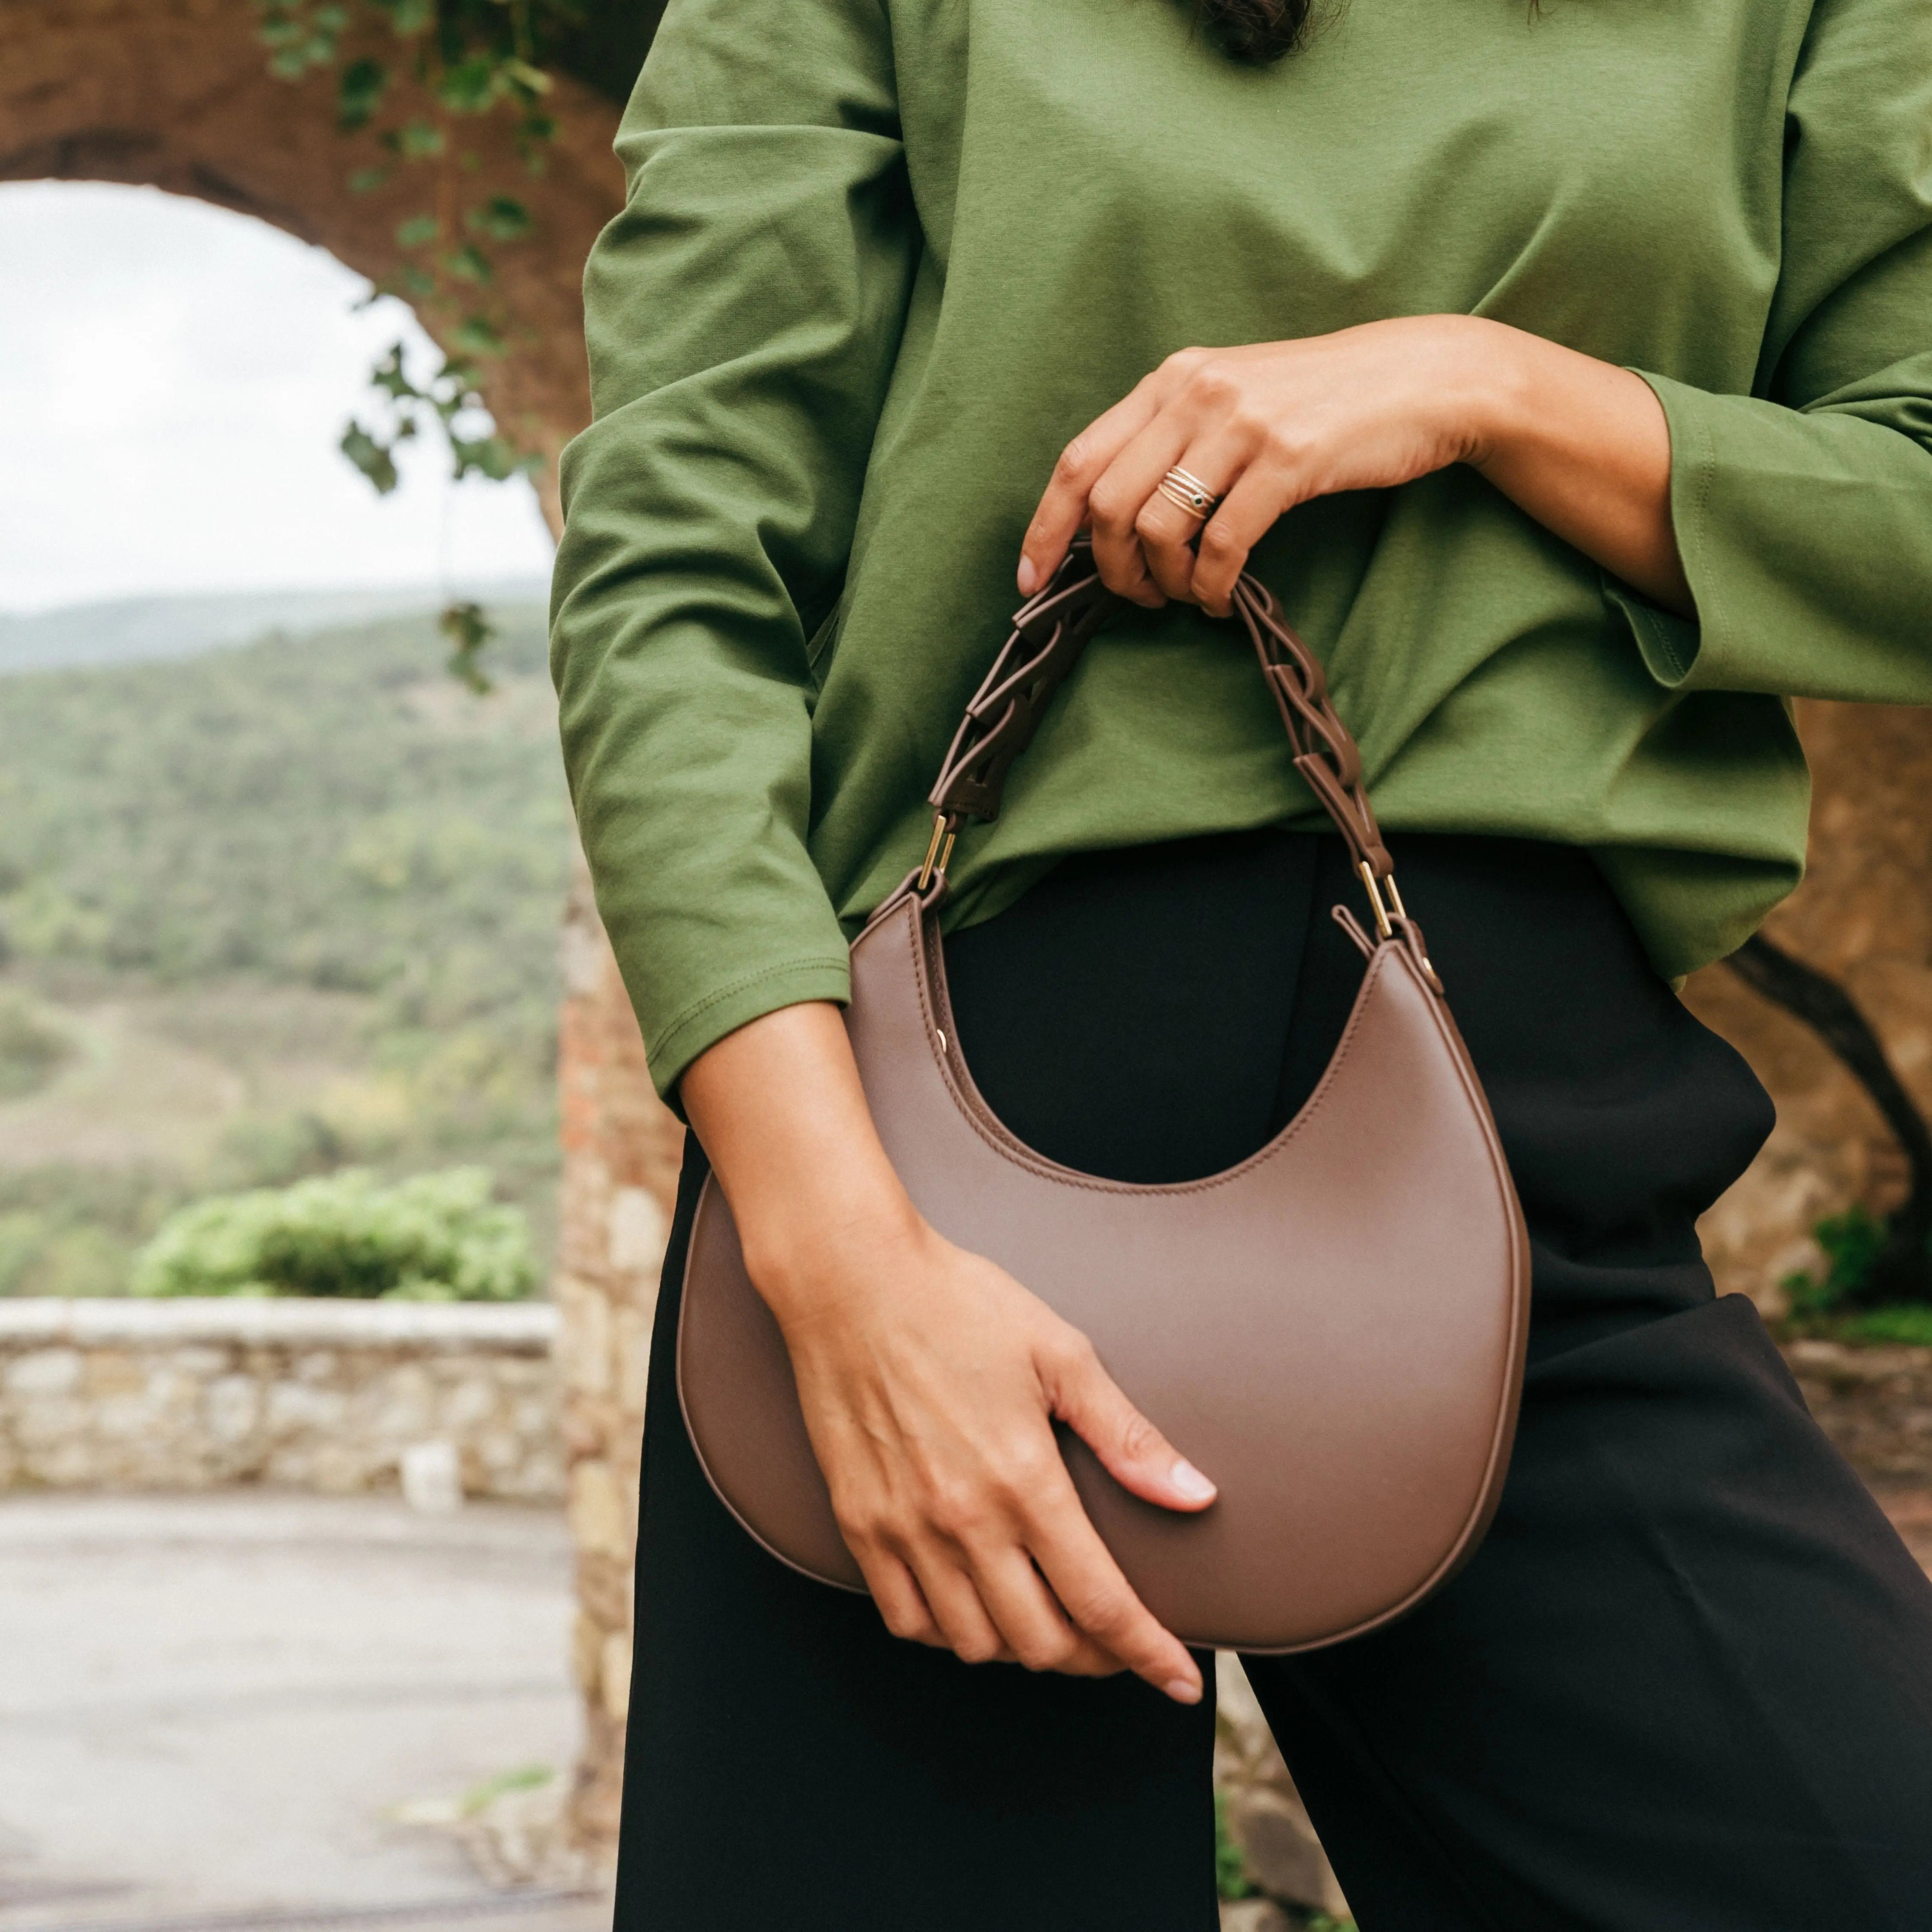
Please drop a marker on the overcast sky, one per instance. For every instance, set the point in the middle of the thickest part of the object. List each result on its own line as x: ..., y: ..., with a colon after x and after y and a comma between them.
x: 173, y: 380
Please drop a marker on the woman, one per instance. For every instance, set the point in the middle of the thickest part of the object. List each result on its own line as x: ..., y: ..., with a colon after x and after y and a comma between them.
x: 889, y: 269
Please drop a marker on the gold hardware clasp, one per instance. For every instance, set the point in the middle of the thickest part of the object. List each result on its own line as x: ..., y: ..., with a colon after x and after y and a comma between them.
x: 1382, y: 924
x: 939, y: 851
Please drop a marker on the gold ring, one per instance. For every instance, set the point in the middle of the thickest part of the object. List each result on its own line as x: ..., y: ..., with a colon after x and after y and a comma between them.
x: 1186, y: 491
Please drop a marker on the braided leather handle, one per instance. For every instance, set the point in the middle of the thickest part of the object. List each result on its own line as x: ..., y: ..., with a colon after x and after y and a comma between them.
x: 1049, y: 633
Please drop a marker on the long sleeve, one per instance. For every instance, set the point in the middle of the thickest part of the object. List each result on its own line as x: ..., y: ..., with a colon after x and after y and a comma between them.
x: 742, y: 313
x: 1804, y: 512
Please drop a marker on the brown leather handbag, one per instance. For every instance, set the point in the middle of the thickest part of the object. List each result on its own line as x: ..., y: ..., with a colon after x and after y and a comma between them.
x: 1333, y: 1330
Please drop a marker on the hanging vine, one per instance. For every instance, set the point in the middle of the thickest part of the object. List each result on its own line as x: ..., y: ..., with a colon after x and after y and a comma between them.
x: 467, y: 59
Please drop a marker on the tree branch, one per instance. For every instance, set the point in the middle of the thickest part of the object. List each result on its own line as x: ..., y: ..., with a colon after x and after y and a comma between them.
x: 1903, y: 1269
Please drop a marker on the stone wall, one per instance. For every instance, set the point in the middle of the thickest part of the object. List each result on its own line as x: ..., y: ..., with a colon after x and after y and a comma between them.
x: 325, y: 1395
x: 1863, y: 915
x: 1875, y: 1403
x: 621, y: 1150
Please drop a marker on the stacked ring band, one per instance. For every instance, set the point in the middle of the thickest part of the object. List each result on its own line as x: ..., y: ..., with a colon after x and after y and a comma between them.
x: 1186, y: 491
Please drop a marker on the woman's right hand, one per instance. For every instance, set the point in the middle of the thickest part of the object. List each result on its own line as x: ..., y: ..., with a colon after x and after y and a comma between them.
x: 930, y: 1379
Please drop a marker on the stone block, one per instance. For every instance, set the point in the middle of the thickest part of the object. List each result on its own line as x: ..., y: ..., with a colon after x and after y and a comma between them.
x: 631, y: 1346
x: 586, y: 1655
x: 473, y: 1400
x: 584, y: 1348
x: 71, y: 1462
x: 598, y: 1518
x: 44, y: 1419
x: 198, y: 1363
x: 1254, y: 1915
x: 232, y: 1407
x: 43, y: 1372
x: 113, y: 1372
x: 124, y: 1417
x: 348, y: 1468
x: 295, y: 1408
x: 171, y: 1388
x: 1279, y: 1846
x: 407, y: 1404
x: 615, y: 1676
x: 637, y: 1232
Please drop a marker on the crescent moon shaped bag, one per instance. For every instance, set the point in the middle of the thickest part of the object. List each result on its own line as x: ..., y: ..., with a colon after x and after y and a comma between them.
x: 1333, y: 1329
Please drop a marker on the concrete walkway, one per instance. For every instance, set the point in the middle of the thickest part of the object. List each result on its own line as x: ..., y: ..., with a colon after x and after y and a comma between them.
x: 211, y: 1708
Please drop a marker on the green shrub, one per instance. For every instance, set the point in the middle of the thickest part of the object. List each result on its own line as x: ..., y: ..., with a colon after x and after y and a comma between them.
x: 1231, y: 1871
x: 436, y: 1237
x: 1851, y: 1242
x: 1898, y: 1321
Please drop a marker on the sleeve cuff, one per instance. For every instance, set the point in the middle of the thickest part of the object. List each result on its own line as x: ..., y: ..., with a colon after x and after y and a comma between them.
x: 1668, y: 644
x: 790, y: 982
x: 1673, y: 647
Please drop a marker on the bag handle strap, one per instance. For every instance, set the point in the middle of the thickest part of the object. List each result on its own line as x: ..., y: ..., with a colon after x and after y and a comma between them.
x: 1052, y: 630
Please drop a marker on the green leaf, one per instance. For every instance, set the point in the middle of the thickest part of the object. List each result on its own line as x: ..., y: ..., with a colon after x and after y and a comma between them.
x: 418, y: 231
x: 470, y: 85
x: 418, y: 141
x: 416, y: 282
x: 370, y: 456
x: 469, y: 263
x: 367, y: 181
x: 388, y: 376
x: 358, y: 93
x: 503, y: 218
x: 476, y: 334
x: 488, y: 456
x: 408, y: 18
x: 468, y: 631
x: 1231, y: 1871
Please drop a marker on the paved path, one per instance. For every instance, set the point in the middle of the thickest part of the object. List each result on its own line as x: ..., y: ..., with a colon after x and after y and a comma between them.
x: 210, y: 1706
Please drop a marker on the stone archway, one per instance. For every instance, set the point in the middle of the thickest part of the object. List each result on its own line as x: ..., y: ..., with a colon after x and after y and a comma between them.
x: 177, y: 95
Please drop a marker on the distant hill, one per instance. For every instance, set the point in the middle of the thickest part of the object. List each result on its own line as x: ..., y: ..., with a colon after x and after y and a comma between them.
x: 270, y: 911
x: 131, y: 629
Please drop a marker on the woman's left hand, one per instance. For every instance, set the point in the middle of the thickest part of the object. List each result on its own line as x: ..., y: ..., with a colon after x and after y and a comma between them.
x: 1581, y: 445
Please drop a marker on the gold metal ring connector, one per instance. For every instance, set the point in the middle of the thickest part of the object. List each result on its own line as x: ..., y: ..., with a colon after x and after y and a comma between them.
x: 939, y: 850
x: 1382, y: 921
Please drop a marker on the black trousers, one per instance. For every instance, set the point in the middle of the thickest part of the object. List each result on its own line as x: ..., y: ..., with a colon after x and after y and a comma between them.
x: 1686, y: 1683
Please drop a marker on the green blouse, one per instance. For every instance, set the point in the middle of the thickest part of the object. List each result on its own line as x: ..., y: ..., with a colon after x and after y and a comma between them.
x: 881, y: 258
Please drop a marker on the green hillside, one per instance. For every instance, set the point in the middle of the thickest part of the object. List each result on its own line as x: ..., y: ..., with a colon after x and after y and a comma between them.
x: 267, y: 913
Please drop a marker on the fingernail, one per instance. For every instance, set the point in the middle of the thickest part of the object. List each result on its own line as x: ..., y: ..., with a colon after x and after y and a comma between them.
x: 1189, y: 1482
x: 1183, y: 1691
x: 1029, y: 577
